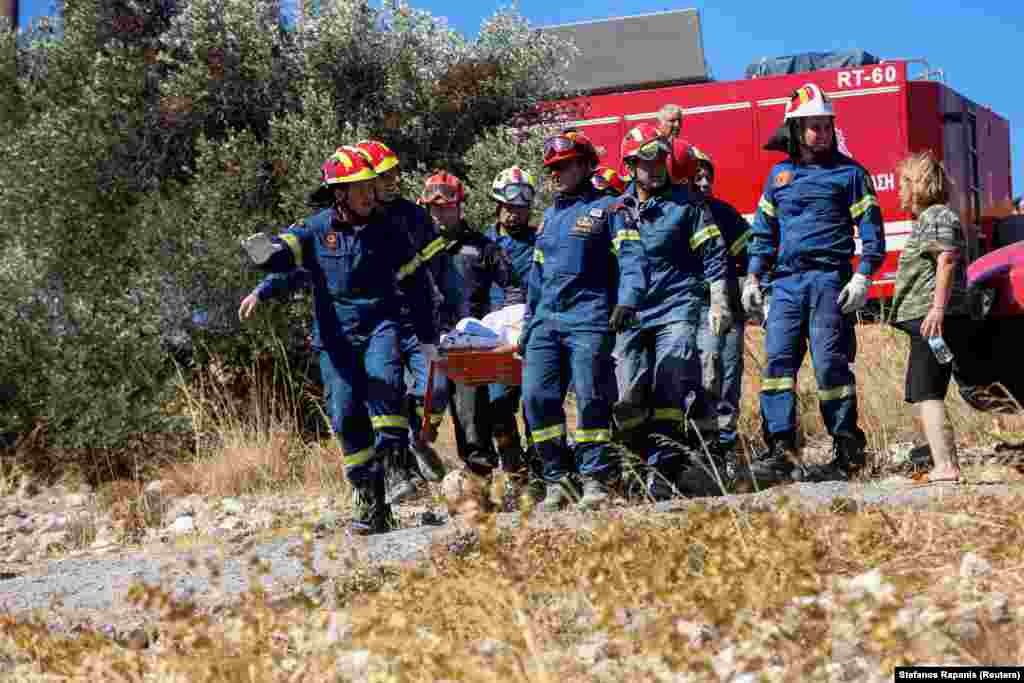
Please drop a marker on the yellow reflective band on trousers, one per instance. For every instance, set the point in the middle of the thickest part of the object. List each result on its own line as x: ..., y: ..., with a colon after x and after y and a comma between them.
x: 863, y: 205
x: 293, y: 243
x: 360, y: 457
x: 669, y: 414
x: 708, y: 233
x: 593, y: 435
x: 741, y: 243
x: 836, y: 393
x: 766, y: 206
x: 396, y: 421
x: 538, y: 256
x: 548, y: 433
x: 777, y: 383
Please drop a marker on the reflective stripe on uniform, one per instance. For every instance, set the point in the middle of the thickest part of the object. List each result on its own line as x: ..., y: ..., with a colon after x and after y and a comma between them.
x: 293, y: 243
x: 538, y: 256
x: 708, y: 233
x: 777, y: 383
x: 626, y: 236
x: 836, y: 393
x: 766, y: 206
x: 397, y: 421
x: 428, y: 252
x: 669, y: 414
x: 632, y: 423
x: 593, y: 435
x: 863, y: 205
x: 548, y: 433
x: 360, y: 457
x: 741, y: 243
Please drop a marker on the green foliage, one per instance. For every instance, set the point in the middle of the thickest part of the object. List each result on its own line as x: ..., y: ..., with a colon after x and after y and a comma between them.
x: 141, y: 143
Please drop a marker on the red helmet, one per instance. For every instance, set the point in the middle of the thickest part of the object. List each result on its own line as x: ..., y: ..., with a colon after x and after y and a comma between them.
x: 569, y: 145
x: 605, y: 179
x: 683, y: 165
x: 381, y: 157
x: 443, y: 189
x: 645, y: 141
x: 346, y: 165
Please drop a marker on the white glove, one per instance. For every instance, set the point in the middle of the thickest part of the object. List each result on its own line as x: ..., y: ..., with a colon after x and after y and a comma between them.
x: 429, y: 352
x: 854, y: 294
x: 752, y: 297
x: 720, y: 315
x: 260, y: 247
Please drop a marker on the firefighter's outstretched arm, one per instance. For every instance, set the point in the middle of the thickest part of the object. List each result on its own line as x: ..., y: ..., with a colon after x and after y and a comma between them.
x: 418, y: 286
x: 280, y: 253
x: 707, y: 241
x: 274, y: 285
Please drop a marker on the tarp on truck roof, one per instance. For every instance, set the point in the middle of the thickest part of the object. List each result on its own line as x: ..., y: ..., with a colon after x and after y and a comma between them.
x: 809, y: 61
x: 645, y: 50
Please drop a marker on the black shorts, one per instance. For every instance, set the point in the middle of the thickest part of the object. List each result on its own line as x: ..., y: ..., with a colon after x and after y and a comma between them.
x: 927, y: 379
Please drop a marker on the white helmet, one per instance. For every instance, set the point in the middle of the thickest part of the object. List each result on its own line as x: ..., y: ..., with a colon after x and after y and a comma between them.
x: 808, y: 100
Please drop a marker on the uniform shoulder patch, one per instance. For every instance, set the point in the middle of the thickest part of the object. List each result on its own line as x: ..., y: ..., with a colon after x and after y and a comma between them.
x: 783, y: 178
x: 597, y: 213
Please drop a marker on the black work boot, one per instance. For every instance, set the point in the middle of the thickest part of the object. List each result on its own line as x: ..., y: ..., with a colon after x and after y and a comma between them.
x: 776, y: 465
x: 371, y: 514
x: 399, y: 481
x: 847, y: 460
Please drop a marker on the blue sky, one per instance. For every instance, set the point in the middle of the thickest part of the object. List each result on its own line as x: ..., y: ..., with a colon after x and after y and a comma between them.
x: 979, y: 44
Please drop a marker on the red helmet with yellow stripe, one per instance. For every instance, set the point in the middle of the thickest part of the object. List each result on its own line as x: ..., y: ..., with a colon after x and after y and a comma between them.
x: 645, y: 141
x: 569, y: 145
x: 382, y: 158
x: 443, y: 189
x: 606, y: 179
x: 346, y: 165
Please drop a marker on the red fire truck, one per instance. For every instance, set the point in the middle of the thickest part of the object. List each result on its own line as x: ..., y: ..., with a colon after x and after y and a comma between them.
x: 881, y: 117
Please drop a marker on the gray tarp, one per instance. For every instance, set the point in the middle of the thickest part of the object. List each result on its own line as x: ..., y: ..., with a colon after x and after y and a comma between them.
x: 809, y: 61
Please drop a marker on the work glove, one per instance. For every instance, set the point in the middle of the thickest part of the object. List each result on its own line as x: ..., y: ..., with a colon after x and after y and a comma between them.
x: 720, y: 315
x: 752, y: 297
x: 854, y: 294
x: 623, y: 317
x: 261, y: 248
x: 429, y: 352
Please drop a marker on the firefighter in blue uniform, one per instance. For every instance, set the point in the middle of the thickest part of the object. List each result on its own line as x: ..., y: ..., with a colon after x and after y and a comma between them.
x: 722, y: 354
x: 513, y: 191
x: 465, y: 265
x: 567, y: 337
x: 408, y: 218
x: 658, y: 361
x: 811, y: 208
x: 353, y: 260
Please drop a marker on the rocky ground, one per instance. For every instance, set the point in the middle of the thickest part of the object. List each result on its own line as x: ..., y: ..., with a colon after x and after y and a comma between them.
x: 68, y: 555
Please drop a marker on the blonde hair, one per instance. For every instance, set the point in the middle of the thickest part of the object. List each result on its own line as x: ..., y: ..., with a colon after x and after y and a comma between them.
x: 923, y: 182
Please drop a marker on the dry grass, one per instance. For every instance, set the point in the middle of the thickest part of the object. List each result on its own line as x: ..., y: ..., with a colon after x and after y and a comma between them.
x: 637, y: 599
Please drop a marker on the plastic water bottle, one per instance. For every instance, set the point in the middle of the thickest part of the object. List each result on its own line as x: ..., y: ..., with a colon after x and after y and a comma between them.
x: 941, y: 351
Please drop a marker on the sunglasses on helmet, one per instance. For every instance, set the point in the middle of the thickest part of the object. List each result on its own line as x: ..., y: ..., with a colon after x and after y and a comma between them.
x: 517, y: 191
x: 600, y: 182
x: 558, y: 144
x: 446, y: 192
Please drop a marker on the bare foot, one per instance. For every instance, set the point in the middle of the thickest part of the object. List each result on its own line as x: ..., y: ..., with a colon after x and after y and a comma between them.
x: 944, y: 473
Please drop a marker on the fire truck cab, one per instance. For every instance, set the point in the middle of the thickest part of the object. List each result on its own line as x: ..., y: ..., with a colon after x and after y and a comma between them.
x: 884, y: 112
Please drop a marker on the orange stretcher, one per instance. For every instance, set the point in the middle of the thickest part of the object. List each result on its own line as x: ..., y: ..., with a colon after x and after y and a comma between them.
x: 473, y: 367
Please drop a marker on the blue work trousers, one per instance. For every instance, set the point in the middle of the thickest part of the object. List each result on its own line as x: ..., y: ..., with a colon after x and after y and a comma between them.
x: 416, y: 373
x: 363, y: 393
x: 659, y: 378
x: 803, y: 307
x: 556, y: 355
x: 721, y: 359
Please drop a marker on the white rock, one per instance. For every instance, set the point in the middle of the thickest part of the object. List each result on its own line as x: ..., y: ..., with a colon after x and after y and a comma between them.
x: 594, y: 649
x: 232, y: 506
x: 155, y: 486
x: 973, y: 566
x: 999, y: 608
x: 724, y: 662
x: 354, y: 664
x: 75, y: 500
x: 698, y: 634
x: 489, y: 647
x: 183, y: 525
x: 870, y: 583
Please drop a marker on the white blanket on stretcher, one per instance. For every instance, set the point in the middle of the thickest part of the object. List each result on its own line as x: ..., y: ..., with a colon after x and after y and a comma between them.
x: 496, y: 329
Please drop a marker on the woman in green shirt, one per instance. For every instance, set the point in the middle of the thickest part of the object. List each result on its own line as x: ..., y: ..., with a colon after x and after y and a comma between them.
x: 931, y: 303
